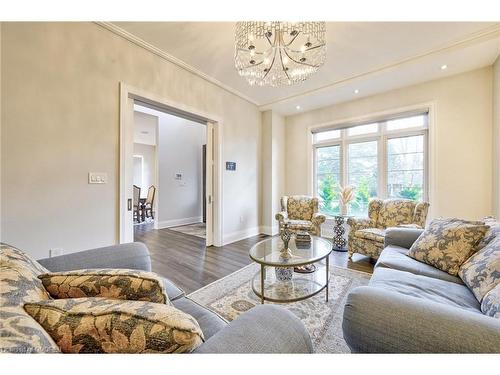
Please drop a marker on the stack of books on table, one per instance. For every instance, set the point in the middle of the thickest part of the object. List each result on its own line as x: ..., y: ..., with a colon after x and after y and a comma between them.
x: 302, y: 239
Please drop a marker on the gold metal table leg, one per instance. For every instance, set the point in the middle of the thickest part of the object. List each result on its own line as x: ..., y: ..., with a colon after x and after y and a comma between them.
x: 262, y: 270
x: 327, y: 275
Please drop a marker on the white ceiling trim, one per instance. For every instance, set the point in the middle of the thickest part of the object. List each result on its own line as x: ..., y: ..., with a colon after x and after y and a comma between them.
x: 478, y: 37
x: 142, y: 43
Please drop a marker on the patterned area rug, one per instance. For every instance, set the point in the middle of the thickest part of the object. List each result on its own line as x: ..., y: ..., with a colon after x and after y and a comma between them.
x: 233, y: 295
x: 198, y: 229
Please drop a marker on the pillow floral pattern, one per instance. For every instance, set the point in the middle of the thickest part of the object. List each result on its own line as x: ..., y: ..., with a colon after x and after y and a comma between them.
x: 109, y: 283
x: 481, y: 272
x: 491, y: 303
x: 101, y: 325
x: 447, y: 243
x: 19, y: 284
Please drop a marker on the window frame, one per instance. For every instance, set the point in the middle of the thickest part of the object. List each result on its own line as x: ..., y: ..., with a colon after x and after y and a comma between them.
x: 381, y: 136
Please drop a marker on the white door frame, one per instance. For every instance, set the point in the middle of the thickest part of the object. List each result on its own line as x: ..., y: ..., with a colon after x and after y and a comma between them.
x: 128, y: 94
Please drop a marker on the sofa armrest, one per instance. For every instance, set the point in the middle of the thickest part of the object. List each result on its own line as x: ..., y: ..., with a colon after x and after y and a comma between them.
x: 263, y: 329
x: 281, y: 216
x: 382, y: 321
x: 318, y: 218
x: 356, y: 223
x: 404, y: 237
x: 134, y: 255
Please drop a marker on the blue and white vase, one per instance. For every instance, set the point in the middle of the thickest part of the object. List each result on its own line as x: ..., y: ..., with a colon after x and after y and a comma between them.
x: 284, y: 273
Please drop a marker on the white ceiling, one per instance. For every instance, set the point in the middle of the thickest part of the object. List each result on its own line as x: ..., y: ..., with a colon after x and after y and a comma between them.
x: 369, y: 56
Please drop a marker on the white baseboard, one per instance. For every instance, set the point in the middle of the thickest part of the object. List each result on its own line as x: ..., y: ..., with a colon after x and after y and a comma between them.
x: 177, y: 222
x: 269, y: 230
x: 240, y: 235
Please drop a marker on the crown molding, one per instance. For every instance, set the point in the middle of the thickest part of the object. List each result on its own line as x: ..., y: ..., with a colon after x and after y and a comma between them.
x: 477, y: 37
x: 172, y: 59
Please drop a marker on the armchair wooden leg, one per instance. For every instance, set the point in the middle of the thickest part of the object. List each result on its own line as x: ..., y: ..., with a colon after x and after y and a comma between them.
x: 350, y: 254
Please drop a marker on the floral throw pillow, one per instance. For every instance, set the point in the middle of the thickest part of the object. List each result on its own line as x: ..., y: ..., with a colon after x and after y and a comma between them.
x: 108, y: 283
x: 447, y: 243
x: 481, y: 272
x: 491, y: 303
x: 102, y: 325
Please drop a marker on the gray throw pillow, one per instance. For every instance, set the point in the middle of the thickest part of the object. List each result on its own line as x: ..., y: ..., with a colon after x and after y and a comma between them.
x: 447, y: 243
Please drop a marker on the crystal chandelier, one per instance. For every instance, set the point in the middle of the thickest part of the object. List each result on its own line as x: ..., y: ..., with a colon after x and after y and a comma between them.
x: 279, y: 53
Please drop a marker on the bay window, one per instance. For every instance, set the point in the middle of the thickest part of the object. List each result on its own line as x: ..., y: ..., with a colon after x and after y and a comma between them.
x: 384, y: 158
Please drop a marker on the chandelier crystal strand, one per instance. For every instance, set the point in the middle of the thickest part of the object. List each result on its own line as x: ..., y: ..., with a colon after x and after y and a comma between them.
x: 279, y: 53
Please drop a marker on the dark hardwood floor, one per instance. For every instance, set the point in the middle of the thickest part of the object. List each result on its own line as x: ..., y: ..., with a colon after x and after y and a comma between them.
x: 186, y: 260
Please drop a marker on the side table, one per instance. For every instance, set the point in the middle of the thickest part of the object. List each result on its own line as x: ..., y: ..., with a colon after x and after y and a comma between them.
x: 339, y: 240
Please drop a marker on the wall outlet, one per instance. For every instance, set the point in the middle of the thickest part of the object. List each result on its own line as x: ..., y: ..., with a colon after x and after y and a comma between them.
x: 55, y: 252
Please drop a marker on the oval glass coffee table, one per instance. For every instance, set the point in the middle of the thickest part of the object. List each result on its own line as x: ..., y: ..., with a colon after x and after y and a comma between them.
x: 270, y: 285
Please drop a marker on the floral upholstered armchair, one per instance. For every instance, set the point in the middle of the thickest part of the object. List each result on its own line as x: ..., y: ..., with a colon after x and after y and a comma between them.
x: 367, y: 235
x: 300, y: 212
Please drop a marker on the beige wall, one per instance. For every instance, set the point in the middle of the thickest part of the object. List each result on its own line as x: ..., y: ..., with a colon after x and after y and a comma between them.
x: 267, y: 172
x: 462, y: 129
x: 180, y: 150
x: 278, y: 155
x: 273, y: 169
x: 60, y: 97
x: 1, y: 116
x: 496, y: 138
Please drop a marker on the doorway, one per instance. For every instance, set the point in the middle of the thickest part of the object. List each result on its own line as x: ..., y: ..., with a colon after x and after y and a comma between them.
x: 170, y: 149
x: 201, y: 210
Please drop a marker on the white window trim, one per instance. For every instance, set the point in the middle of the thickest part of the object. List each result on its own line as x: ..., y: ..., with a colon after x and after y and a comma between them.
x: 429, y: 133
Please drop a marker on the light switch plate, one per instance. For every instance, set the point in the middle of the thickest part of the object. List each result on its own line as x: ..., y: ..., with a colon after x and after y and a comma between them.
x: 98, y: 178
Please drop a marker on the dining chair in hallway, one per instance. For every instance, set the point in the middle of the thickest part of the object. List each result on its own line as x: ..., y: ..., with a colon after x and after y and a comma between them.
x: 137, y: 205
x: 148, y: 206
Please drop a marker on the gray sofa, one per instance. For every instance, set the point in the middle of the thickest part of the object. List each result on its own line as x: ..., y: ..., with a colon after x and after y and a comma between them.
x: 263, y: 329
x: 411, y: 307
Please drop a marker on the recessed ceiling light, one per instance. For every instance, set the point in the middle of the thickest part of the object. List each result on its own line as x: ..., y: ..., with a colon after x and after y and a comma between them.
x: 356, y: 91
x: 297, y: 107
x: 444, y: 67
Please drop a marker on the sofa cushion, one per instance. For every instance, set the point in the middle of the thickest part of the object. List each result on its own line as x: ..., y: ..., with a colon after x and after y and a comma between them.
x: 481, y: 272
x: 427, y: 288
x: 372, y: 234
x: 103, y: 325
x: 447, y: 243
x: 19, y: 284
x: 395, y: 212
x: 299, y: 224
x: 397, y: 258
x: 491, y: 303
x: 107, y: 283
x: 210, y: 323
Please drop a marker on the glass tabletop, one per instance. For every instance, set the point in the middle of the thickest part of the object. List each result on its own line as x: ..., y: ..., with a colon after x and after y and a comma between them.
x: 268, y: 252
